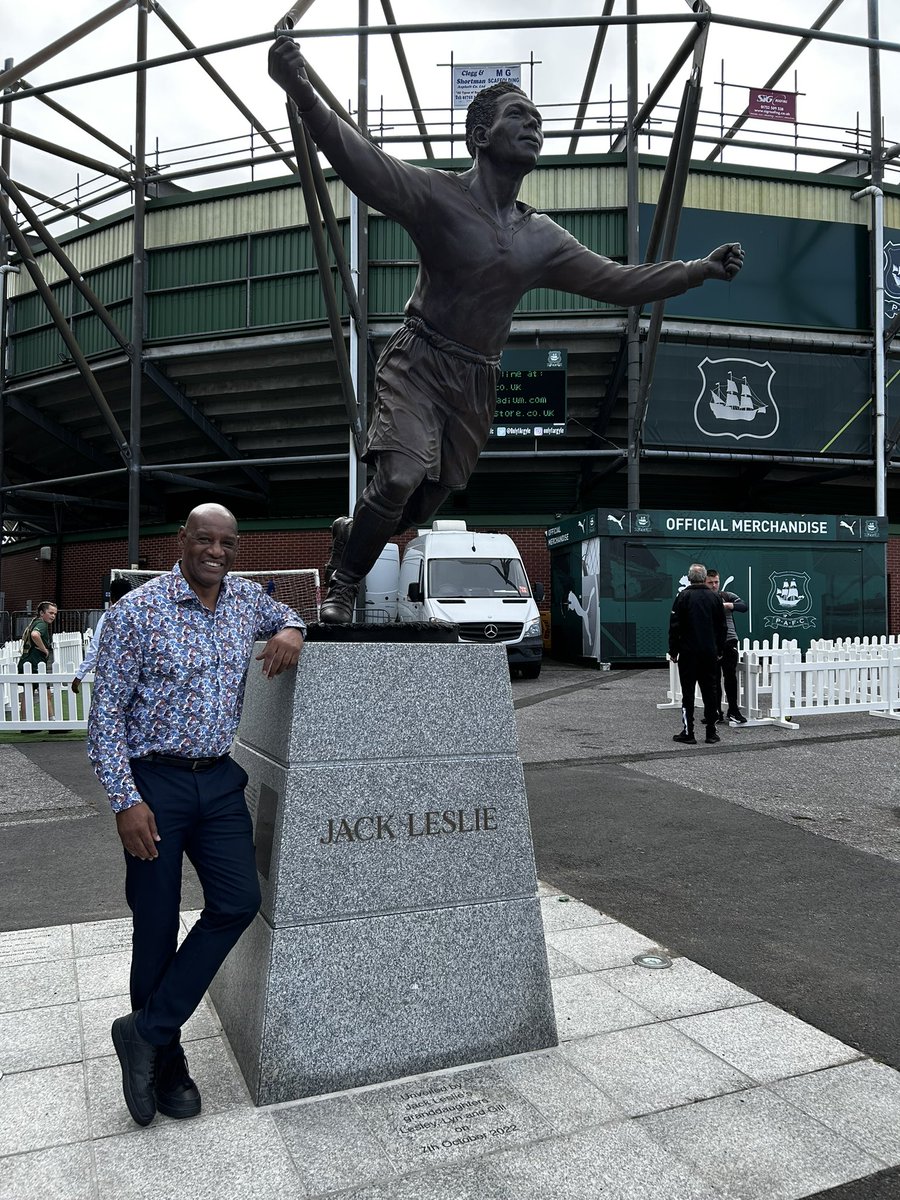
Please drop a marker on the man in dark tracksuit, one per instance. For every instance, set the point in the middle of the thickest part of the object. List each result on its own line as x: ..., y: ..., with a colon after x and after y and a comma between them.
x: 696, y: 642
x: 732, y: 603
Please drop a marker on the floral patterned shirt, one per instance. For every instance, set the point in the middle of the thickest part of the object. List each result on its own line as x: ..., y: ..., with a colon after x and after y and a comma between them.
x: 170, y: 674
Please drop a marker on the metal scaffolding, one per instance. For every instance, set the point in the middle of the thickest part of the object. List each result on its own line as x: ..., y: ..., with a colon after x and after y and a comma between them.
x: 24, y: 228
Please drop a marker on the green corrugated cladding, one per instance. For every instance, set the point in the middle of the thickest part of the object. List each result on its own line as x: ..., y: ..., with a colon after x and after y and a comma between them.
x: 254, y: 281
x: 187, y: 266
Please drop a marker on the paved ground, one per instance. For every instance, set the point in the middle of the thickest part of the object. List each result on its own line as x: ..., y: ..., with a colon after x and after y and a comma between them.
x: 767, y: 866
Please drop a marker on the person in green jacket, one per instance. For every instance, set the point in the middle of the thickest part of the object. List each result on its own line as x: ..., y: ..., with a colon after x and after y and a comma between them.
x: 37, y: 648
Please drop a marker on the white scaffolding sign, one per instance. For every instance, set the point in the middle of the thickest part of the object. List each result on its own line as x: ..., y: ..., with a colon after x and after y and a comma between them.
x: 468, y: 80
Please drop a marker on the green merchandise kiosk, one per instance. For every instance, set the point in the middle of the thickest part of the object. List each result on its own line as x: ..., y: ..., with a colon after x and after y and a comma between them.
x: 614, y: 575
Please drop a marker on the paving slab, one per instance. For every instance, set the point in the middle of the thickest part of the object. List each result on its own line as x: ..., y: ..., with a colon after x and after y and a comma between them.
x: 563, y: 1096
x: 40, y: 1037
x: 616, y: 1162
x: 61, y: 1173
x: 586, y: 1004
x: 237, y: 1154
x: 683, y: 989
x: 764, y: 1042
x: 37, y: 985
x: 594, y: 947
x: 21, y: 946
x: 756, y: 1146
x: 42, y: 1108
x: 332, y: 1146
x: 561, y: 912
x: 653, y: 1067
x: 860, y: 1101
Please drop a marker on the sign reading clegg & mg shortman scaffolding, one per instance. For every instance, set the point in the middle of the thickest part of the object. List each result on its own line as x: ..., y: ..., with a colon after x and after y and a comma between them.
x: 468, y: 80
x: 531, y: 394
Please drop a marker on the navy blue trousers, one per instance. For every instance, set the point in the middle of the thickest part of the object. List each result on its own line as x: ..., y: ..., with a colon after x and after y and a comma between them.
x: 201, y: 814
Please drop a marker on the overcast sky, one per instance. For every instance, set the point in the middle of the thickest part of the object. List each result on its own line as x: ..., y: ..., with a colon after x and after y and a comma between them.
x: 185, y: 107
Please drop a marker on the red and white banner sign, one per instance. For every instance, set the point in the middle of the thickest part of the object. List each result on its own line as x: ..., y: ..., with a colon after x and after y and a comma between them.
x: 772, y: 106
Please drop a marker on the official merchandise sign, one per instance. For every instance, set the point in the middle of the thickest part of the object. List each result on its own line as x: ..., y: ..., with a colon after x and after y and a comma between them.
x: 772, y: 106
x: 531, y: 394
x: 468, y: 80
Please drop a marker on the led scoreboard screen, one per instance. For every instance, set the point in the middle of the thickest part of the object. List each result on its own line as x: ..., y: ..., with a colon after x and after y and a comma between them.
x: 531, y: 394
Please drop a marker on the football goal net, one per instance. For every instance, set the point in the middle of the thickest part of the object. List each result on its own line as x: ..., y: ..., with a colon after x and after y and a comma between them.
x: 298, y: 589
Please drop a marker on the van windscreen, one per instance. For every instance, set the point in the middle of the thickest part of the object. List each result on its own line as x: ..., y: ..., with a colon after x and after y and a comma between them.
x: 476, y: 578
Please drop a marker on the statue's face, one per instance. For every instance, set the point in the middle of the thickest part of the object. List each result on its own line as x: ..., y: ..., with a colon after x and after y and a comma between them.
x: 515, y: 135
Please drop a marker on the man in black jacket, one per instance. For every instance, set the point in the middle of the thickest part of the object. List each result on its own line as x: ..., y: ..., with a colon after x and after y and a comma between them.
x: 697, y: 632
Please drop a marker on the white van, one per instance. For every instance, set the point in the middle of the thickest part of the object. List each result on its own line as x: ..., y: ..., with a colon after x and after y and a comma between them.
x: 477, y: 581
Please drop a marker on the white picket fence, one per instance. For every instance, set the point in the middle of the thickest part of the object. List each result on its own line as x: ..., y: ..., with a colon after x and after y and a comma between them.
x: 27, y: 695
x: 752, y: 683
x: 841, y: 676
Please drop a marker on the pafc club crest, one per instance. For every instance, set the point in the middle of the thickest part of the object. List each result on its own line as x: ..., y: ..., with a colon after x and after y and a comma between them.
x: 789, y: 601
x: 891, y: 278
x: 735, y: 399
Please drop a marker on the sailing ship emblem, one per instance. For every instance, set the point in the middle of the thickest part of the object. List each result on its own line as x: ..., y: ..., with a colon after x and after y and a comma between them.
x: 789, y: 593
x: 735, y: 405
x: 735, y: 399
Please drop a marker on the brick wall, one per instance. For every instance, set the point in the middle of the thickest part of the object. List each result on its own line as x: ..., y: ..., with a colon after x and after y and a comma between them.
x: 84, y: 564
x: 893, y: 584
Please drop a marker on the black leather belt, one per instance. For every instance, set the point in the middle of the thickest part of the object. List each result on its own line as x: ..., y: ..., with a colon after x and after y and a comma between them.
x: 184, y: 764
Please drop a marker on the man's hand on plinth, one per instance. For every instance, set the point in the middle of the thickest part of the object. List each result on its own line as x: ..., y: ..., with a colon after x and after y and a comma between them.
x: 281, y: 651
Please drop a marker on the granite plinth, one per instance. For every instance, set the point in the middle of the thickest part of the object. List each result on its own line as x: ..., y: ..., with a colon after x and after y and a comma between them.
x: 419, y: 632
x: 400, y: 929
x: 349, y: 1003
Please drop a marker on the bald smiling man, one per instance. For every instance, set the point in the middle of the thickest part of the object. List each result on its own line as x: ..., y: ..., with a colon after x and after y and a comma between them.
x: 168, y: 694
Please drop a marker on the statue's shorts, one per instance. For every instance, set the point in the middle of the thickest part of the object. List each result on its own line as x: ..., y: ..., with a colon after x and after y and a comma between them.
x: 434, y: 401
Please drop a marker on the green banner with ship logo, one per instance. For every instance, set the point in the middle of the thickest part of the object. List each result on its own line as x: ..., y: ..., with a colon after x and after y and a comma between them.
x: 727, y: 398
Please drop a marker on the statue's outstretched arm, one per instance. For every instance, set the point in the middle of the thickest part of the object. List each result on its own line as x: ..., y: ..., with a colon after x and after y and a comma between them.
x: 394, y: 188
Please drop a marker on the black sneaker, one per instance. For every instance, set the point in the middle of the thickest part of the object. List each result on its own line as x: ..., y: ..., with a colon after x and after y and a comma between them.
x: 712, y: 737
x: 736, y: 717
x: 177, y: 1095
x: 138, y: 1060
x: 337, y: 607
x: 686, y: 739
x: 720, y: 719
x: 340, y: 532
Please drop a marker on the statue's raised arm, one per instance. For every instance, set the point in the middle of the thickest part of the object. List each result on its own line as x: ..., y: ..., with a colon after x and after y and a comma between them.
x: 394, y: 188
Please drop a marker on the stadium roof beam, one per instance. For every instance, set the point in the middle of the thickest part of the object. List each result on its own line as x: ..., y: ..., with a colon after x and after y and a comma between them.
x: 465, y: 27
x: 664, y: 81
x: 82, y: 160
x: 214, y: 75
x: 66, y: 498
x: 663, y: 236
x: 80, y: 122
x: 75, y: 443
x: 66, y: 210
x: 59, y: 320
x: 590, y: 76
x: 819, y: 22
x: 13, y: 74
x: 408, y: 79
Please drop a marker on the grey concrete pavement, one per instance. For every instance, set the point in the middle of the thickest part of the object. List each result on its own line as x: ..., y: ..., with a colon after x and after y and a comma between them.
x: 766, y: 869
